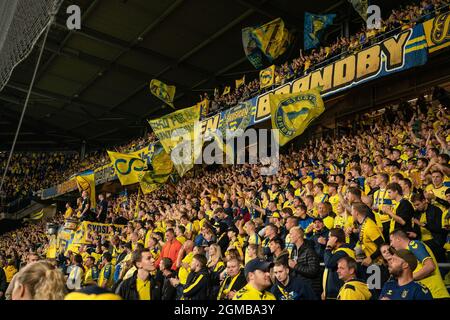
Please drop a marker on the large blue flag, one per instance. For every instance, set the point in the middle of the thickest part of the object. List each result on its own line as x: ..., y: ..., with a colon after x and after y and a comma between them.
x: 315, y: 24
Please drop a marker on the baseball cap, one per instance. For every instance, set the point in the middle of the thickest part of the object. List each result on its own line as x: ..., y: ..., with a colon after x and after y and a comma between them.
x: 406, y: 255
x: 276, y: 215
x: 257, y: 264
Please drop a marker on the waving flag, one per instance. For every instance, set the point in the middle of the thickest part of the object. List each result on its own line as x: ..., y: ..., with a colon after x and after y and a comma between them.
x: 292, y: 113
x: 163, y: 91
x: 315, y: 24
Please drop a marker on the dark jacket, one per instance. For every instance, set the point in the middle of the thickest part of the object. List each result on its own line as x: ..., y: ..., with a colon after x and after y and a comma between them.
x: 197, y: 285
x: 434, y: 224
x: 314, y: 237
x: 296, y: 289
x: 237, y: 285
x: 3, y: 284
x: 169, y: 292
x: 308, y: 265
x: 128, y: 291
x: 333, y: 283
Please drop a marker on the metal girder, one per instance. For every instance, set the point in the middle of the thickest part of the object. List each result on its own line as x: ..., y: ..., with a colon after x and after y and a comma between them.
x: 50, y: 95
x: 121, y: 44
x: 272, y: 12
x: 46, y: 65
x: 192, y: 52
x: 28, y: 124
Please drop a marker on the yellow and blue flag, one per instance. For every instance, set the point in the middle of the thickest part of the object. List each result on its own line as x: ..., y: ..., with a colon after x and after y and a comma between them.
x: 292, y: 113
x: 86, y: 182
x: 315, y: 25
x: 128, y: 167
x: 360, y: 6
x: 267, y: 77
x: 163, y: 91
x: 240, y: 82
x: 179, y: 130
x: 271, y: 40
x: 161, y: 166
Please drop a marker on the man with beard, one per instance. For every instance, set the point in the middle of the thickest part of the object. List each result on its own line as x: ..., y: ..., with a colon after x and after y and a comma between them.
x: 233, y: 282
x: 258, y: 280
x: 289, y: 286
x: 403, y: 287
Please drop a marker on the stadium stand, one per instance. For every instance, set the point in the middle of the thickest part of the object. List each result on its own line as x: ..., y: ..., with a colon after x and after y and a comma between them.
x: 374, y: 191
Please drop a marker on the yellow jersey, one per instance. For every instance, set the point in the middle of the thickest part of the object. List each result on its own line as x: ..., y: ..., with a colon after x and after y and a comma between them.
x: 184, y: 272
x: 143, y: 289
x: 434, y: 282
x: 368, y: 234
x: 250, y: 293
x: 354, y: 290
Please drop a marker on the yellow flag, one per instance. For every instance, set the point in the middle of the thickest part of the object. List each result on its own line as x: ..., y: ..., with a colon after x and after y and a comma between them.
x: 35, y: 216
x: 163, y: 91
x: 226, y: 90
x: 292, y: 113
x: 267, y: 77
x: 240, y: 82
x: 272, y: 38
x: 162, y: 167
x: 128, y: 167
x: 177, y: 131
x: 86, y: 182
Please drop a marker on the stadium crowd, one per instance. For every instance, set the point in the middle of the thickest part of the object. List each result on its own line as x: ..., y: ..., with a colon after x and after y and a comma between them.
x: 45, y: 168
x: 378, y: 196
x: 30, y: 172
x: 402, y: 18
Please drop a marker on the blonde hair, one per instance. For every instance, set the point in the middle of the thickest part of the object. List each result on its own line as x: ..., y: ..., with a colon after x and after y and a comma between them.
x: 43, y: 281
x: 217, y: 256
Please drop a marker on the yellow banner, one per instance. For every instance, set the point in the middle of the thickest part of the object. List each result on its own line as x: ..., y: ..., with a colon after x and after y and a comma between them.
x: 292, y: 113
x: 128, y: 167
x: 177, y: 130
x: 85, y: 228
x: 162, y: 91
x: 86, y: 182
x: 437, y: 32
x: 267, y: 77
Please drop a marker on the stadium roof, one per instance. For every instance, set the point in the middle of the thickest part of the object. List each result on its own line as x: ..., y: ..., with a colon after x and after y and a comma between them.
x: 92, y: 84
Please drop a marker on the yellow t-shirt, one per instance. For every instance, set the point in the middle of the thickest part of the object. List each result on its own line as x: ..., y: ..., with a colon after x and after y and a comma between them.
x: 439, y: 193
x: 10, y: 271
x: 143, y: 289
x: 433, y: 282
x: 68, y: 213
x: 184, y: 272
x: 334, y: 200
x: 369, y: 233
x: 250, y: 293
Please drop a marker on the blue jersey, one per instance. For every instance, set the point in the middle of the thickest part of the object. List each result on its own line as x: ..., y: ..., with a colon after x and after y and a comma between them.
x: 410, y: 291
